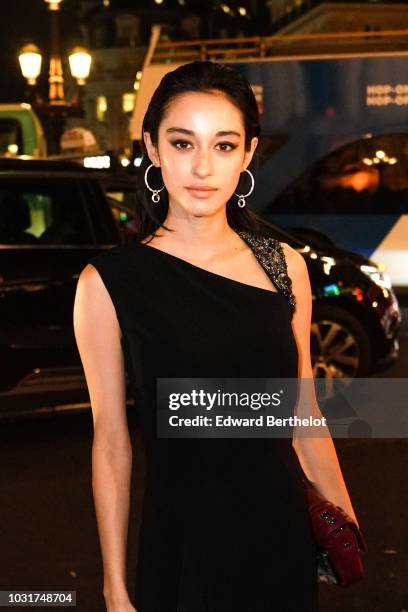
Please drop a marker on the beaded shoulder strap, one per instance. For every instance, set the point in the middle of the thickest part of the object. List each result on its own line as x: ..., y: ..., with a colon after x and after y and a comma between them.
x: 269, y: 252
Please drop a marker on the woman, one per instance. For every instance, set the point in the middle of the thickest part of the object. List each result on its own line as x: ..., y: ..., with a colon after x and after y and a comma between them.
x: 201, y: 293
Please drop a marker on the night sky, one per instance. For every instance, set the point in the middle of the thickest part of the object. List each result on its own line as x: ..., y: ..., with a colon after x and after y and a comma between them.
x: 23, y: 21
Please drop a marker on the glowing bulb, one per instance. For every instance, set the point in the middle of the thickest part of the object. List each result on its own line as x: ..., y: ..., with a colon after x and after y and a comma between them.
x: 53, y: 5
x: 30, y: 63
x: 80, y: 64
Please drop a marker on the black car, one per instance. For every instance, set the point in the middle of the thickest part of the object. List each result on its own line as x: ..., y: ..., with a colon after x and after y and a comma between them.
x: 55, y: 216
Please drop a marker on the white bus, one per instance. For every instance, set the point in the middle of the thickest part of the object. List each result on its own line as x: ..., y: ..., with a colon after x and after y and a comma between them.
x: 334, y: 146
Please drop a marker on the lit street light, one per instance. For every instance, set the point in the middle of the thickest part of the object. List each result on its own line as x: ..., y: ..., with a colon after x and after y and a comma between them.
x: 30, y: 63
x: 55, y: 111
x: 80, y: 64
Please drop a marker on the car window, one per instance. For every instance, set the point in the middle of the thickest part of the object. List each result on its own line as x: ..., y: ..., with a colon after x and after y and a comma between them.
x: 369, y: 175
x: 124, y: 218
x: 123, y: 196
x: 42, y: 211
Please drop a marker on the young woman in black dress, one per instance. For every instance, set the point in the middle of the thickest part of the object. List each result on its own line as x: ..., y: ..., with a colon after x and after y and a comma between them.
x: 202, y: 292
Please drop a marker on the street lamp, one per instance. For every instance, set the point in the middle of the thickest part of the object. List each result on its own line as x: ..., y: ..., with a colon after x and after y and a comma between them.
x: 30, y: 63
x: 53, y: 4
x: 80, y: 64
x: 56, y: 109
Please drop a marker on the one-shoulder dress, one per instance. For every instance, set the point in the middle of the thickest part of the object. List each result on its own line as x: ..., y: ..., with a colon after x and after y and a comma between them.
x: 224, y: 524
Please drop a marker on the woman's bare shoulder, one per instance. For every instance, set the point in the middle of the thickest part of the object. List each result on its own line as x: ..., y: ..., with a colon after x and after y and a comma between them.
x: 98, y: 294
x: 93, y: 292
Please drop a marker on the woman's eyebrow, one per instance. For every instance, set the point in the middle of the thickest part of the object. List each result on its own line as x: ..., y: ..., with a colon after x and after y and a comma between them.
x: 191, y: 133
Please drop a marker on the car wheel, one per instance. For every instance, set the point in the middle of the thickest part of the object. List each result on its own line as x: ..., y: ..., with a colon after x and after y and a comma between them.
x: 340, y: 346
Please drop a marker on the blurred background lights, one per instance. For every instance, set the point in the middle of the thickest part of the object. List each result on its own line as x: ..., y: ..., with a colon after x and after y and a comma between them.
x: 380, y: 157
x: 97, y: 161
x: 128, y: 102
x: 136, y: 85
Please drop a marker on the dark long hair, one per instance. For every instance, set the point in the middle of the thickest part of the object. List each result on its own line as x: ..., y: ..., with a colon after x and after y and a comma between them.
x: 197, y: 76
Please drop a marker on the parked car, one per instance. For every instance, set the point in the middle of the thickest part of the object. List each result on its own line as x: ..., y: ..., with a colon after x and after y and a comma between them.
x: 55, y: 216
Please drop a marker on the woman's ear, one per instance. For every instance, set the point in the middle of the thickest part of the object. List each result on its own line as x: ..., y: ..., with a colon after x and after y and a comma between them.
x: 249, y: 154
x: 151, y: 149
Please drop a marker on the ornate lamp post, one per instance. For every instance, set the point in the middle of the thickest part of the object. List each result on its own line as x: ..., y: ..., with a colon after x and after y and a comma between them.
x: 55, y: 111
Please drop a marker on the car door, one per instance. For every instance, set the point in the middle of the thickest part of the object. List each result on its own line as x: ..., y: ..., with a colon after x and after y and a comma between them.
x: 50, y: 226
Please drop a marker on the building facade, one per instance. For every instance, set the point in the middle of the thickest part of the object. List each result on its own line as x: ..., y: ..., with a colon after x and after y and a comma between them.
x: 117, y: 33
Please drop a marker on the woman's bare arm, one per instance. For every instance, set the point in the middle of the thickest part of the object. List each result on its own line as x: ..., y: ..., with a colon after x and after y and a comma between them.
x: 317, y: 455
x: 98, y: 338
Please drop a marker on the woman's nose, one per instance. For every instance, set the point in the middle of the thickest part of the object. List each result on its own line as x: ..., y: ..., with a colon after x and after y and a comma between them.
x: 203, y: 163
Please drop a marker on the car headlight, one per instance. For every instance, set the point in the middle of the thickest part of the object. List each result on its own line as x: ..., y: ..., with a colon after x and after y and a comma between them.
x: 379, y: 277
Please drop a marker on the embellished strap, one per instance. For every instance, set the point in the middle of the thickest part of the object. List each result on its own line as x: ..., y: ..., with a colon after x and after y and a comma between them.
x: 269, y: 252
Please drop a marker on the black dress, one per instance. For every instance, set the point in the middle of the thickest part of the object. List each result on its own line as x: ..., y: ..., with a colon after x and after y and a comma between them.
x: 224, y: 524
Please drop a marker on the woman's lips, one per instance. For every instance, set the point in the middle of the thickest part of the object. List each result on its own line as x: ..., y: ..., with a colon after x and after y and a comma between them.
x: 201, y: 192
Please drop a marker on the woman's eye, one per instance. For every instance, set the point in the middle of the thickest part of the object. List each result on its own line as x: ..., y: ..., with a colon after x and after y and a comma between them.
x: 226, y: 144
x: 180, y: 142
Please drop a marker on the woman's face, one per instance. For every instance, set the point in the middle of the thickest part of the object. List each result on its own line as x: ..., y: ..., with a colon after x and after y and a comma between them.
x: 201, y: 144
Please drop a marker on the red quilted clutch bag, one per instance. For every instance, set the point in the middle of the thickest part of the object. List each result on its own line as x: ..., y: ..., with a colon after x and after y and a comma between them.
x: 338, y: 539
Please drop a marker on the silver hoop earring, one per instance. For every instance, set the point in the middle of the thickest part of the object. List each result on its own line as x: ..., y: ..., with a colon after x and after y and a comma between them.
x: 155, y: 192
x: 241, y: 198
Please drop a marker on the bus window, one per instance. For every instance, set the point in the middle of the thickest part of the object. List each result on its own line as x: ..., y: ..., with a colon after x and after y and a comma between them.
x: 21, y: 132
x: 10, y: 137
x: 369, y: 175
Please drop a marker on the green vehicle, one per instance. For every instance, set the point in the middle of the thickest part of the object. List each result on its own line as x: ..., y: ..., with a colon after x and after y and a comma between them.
x: 21, y: 132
